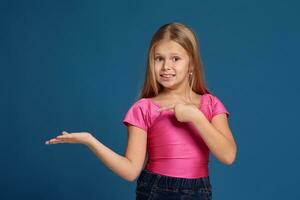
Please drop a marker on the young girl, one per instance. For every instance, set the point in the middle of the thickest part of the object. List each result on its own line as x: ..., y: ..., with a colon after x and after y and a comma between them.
x: 172, y: 127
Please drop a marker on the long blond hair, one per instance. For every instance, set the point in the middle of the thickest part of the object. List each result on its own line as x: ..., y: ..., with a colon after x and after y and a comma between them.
x: 185, y: 37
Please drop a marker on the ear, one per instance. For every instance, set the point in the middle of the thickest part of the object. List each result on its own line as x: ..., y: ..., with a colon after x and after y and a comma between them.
x: 191, y: 68
x: 191, y: 71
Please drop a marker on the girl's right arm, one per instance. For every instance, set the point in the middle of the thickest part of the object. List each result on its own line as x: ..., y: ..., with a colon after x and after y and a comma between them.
x: 130, y: 165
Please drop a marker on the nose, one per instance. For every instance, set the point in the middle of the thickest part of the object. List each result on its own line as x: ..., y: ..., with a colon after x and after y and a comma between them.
x: 165, y: 66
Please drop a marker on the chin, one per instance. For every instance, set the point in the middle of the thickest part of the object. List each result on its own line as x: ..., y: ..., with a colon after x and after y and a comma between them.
x: 169, y: 86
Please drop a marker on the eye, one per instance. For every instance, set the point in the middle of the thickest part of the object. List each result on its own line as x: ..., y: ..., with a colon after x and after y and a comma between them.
x: 157, y: 58
x: 176, y: 58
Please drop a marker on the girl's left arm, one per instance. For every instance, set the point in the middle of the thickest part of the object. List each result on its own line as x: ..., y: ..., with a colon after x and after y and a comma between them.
x: 217, y: 136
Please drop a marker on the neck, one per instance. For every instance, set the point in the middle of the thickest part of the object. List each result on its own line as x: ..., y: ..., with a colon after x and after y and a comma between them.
x: 184, y: 93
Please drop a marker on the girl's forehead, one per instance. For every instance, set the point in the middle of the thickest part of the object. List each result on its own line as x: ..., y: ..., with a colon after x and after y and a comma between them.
x: 169, y: 47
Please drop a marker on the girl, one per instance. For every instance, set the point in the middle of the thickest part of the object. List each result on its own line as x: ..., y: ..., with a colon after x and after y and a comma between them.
x: 175, y: 122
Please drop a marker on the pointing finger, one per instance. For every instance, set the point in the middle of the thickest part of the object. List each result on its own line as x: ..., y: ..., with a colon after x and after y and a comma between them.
x: 165, y: 108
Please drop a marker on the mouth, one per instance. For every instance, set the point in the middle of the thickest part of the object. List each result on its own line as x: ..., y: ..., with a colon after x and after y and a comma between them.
x: 167, y: 75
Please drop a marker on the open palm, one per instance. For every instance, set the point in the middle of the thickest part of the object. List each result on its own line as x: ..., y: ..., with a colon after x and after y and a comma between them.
x: 65, y: 137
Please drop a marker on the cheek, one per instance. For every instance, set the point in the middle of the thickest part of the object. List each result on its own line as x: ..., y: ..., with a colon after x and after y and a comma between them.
x: 156, y: 74
x: 156, y: 69
x: 180, y: 69
x: 183, y: 69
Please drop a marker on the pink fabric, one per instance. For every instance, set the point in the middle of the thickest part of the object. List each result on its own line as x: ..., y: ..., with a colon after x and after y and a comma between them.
x: 174, y: 148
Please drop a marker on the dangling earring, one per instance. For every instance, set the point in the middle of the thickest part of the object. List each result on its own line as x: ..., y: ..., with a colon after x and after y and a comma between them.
x: 190, y: 78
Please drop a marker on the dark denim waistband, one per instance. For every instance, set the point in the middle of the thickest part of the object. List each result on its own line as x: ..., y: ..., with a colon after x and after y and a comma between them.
x: 168, y: 182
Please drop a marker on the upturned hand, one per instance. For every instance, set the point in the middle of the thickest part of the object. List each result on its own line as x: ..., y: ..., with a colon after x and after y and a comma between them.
x: 65, y: 137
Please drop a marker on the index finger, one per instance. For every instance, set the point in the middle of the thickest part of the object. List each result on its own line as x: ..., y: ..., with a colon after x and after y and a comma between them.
x: 166, y: 108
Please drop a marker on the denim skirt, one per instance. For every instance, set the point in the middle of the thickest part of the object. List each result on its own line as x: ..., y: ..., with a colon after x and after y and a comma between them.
x: 153, y: 186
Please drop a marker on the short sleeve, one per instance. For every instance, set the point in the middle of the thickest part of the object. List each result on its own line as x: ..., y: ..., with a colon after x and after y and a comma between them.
x: 136, y: 116
x: 218, y: 107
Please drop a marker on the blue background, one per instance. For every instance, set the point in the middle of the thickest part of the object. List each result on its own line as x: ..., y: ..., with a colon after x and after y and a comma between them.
x: 79, y: 65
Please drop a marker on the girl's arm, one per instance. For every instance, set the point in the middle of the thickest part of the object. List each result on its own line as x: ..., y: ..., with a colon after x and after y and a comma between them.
x: 128, y: 166
x: 217, y: 136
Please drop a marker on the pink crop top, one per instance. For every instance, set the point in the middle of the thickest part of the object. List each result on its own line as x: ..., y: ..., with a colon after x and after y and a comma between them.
x: 174, y: 148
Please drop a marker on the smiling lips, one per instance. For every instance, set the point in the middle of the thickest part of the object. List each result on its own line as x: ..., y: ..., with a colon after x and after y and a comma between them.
x: 167, y: 75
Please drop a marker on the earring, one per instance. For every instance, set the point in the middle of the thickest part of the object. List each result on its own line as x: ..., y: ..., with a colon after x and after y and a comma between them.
x: 190, y: 78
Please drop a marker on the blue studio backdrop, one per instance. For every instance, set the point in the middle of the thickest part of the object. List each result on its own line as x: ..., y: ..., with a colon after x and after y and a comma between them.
x: 79, y: 65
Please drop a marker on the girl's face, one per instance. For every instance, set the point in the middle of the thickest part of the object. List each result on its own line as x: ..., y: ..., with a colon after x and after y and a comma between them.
x: 171, y: 65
